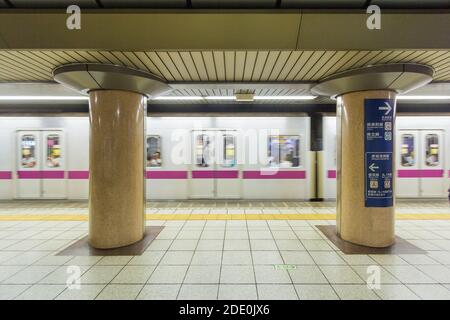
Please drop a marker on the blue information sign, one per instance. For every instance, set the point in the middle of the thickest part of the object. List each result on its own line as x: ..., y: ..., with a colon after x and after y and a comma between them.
x: 378, y: 144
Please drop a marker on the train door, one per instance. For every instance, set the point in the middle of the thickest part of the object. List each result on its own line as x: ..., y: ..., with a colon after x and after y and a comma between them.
x: 214, y: 172
x: 40, y: 165
x: 28, y: 164
x: 420, y: 166
x: 202, y: 182
x: 432, y: 182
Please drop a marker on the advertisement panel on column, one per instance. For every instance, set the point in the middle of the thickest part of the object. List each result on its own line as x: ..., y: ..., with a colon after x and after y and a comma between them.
x: 379, y: 116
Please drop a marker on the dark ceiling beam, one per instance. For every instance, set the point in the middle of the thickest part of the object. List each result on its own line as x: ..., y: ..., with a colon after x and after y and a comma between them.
x: 235, y: 109
x: 147, y: 30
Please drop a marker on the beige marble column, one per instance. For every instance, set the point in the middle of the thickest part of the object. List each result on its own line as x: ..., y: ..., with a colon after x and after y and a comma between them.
x: 117, y: 168
x: 373, y: 226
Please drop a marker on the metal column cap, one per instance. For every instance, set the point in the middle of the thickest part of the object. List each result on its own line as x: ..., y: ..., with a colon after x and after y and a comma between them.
x: 84, y: 77
x: 399, y: 77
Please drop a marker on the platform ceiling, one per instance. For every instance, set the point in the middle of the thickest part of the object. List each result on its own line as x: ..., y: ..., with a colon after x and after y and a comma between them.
x: 268, y: 4
x: 265, y: 47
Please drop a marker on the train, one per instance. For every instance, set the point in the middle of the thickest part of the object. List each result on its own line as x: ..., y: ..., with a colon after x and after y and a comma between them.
x: 216, y: 157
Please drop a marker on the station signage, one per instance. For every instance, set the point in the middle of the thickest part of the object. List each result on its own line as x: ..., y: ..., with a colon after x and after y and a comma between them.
x: 379, y: 115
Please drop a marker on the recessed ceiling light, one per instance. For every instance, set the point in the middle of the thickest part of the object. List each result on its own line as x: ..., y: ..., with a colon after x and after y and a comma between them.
x: 178, y: 98
x: 284, y: 97
x: 423, y: 97
x: 46, y: 98
x: 220, y: 97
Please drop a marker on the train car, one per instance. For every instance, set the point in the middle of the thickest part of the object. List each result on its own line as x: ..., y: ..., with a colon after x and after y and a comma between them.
x: 422, y: 157
x: 186, y: 157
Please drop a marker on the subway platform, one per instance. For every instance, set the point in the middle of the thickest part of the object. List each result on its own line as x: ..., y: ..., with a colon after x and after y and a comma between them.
x: 222, y: 250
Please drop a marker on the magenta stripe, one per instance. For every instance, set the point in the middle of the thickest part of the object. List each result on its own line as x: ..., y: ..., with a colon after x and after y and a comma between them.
x: 331, y: 174
x: 50, y: 174
x: 29, y: 174
x: 299, y: 174
x: 5, y: 175
x: 211, y: 174
x: 78, y: 174
x: 203, y: 174
x: 427, y: 173
x: 166, y: 174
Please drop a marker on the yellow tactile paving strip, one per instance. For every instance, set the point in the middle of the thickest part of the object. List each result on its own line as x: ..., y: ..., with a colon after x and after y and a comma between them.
x: 308, y: 216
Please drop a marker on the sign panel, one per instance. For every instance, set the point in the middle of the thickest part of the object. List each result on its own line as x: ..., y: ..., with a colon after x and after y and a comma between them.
x: 379, y: 115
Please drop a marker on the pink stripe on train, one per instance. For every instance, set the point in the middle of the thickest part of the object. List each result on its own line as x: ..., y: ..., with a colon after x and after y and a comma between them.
x: 211, y: 174
x: 156, y: 174
x: 427, y: 173
x: 274, y: 174
x: 78, y: 174
x: 5, y: 175
x: 41, y: 174
x: 331, y: 174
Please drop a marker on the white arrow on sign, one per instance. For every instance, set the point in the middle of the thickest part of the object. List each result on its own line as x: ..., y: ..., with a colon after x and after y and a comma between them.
x: 373, y: 167
x: 388, y: 108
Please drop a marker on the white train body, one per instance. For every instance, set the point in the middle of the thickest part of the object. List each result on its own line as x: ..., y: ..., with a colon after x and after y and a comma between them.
x: 215, y: 158
x: 174, y: 173
x: 422, y: 157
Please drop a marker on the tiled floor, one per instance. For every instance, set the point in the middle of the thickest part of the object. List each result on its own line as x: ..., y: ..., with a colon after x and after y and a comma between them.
x: 68, y: 207
x: 222, y: 259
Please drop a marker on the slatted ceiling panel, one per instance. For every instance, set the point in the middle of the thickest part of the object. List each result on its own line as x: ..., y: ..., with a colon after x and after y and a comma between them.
x: 17, y: 60
x: 272, y: 58
x: 37, y: 60
x: 17, y: 68
x: 312, y: 73
x: 181, y: 67
x: 349, y: 59
x: 50, y: 56
x: 22, y: 65
x: 229, y: 65
x: 302, y: 59
x: 219, y: 62
x: 210, y: 65
x: 280, y: 62
x: 135, y: 60
x: 308, y: 65
x: 249, y: 66
x: 190, y: 65
x: 355, y: 60
x: 261, y: 57
x: 149, y: 65
x: 197, y: 58
x: 239, y: 64
x: 30, y: 62
x: 442, y: 60
x: 290, y: 62
x: 434, y: 57
x: 158, y: 63
x: 170, y: 65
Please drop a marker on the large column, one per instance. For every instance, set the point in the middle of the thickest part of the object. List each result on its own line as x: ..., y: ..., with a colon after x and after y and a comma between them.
x: 365, y: 146
x: 116, y: 166
x: 117, y: 102
x: 357, y: 220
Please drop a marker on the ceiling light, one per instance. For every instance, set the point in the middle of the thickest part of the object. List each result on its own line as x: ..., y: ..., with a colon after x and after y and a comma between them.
x: 178, y: 98
x: 220, y: 97
x: 423, y: 97
x: 284, y: 97
x: 45, y: 98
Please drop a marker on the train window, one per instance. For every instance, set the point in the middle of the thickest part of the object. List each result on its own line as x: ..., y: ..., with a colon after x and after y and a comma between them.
x: 202, y: 145
x: 284, y: 151
x: 28, y: 147
x: 53, y: 151
x: 229, y: 151
x: 432, y: 150
x: 408, y: 155
x: 154, y: 151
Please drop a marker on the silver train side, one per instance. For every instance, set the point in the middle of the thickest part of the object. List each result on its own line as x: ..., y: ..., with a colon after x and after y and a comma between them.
x: 270, y: 158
